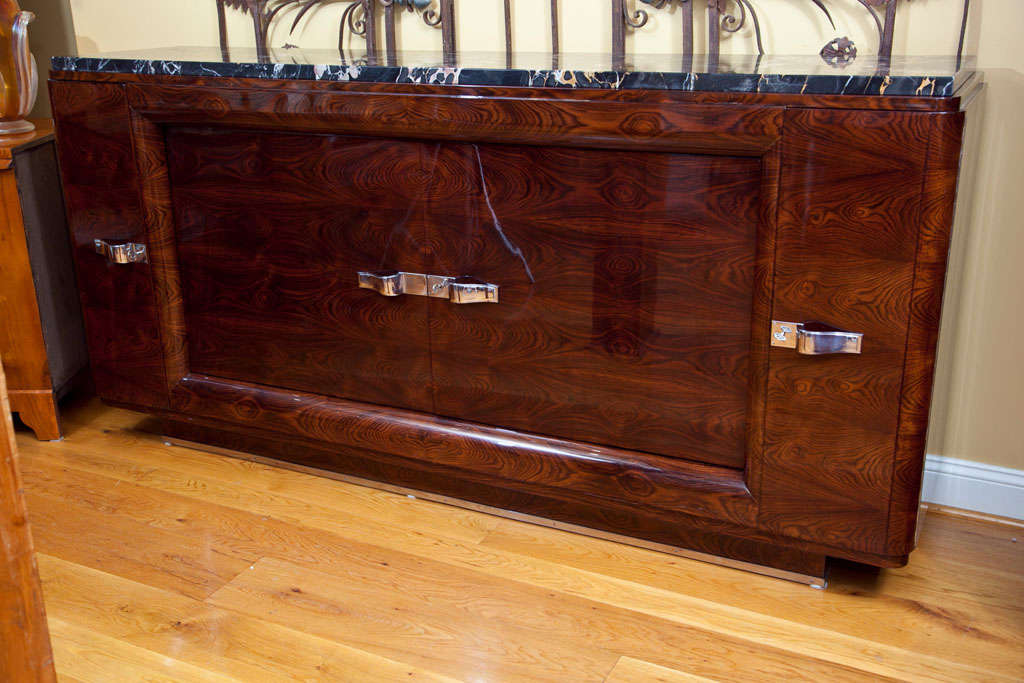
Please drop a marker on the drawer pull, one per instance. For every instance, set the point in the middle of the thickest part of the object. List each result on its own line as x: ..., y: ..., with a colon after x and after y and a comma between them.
x: 384, y: 282
x: 122, y: 252
x: 814, y: 338
x: 459, y: 290
x: 469, y: 290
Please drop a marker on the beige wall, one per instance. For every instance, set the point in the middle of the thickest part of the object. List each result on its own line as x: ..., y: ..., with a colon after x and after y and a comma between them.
x: 52, y: 33
x: 795, y: 26
x: 979, y: 402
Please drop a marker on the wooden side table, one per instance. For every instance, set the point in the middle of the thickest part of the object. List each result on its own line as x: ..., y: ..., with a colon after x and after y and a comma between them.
x: 42, y: 343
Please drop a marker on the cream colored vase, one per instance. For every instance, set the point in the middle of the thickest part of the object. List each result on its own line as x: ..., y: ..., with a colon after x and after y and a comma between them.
x: 19, y: 79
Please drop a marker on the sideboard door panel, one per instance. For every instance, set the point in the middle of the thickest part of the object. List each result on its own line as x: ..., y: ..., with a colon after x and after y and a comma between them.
x: 849, y: 211
x: 272, y: 229
x: 101, y: 188
x: 626, y: 285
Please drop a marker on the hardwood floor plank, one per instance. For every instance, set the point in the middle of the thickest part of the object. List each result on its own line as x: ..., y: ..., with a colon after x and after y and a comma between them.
x: 406, y: 626
x: 144, y: 532
x: 249, y: 534
x: 118, y: 545
x: 94, y: 658
x: 810, y: 642
x: 311, y: 499
x: 629, y: 670
x: 512, y: 631
x: 217, y: 640
x: 907, y: 609
x: 999, y: 547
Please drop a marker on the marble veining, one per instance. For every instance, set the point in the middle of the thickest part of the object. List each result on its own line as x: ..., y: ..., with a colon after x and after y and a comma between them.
x: 904, y: 76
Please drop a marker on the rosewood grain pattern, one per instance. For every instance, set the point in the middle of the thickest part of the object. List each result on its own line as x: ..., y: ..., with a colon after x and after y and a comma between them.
x: 712, y: 536
x: 272, y: 291
x: 642, y: 241
x: 556, y: 466
x: 725, y: 129
x: 848, y: 217
x: 103, y: 202
x: 626, y: 296
x: 760, y: 345
x: 151, y: 166
x: 937, y: 208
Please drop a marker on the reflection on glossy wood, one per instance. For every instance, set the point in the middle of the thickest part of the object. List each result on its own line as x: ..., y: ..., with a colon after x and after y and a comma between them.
x: 551, y: 467
x: 626, y: 296
x: 832, y: 420
x: 643, y: 241
x: 343, y: 585
x: 271, y: 290
x: 102, y: 194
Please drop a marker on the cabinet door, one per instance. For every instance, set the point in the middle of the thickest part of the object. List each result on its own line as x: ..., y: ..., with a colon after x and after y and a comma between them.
x: 627, y: 291
x: 271, y: 231
x: 101, y: 188
x: 850, y: 234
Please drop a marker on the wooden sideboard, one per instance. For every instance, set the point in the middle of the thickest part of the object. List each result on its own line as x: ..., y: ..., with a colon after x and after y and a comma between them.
x: 284, y: 266
x: 41, y: 339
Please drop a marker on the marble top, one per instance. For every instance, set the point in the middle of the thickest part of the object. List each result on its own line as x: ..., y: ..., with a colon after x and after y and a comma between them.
x: 865, y: 75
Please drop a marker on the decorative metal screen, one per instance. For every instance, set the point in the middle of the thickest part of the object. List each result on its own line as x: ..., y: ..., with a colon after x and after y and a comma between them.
x: 366, y: 18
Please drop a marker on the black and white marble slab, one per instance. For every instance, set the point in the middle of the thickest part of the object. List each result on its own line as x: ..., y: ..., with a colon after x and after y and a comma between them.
x: 865, y: 75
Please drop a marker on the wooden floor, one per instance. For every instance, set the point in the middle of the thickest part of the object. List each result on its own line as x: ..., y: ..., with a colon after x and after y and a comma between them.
x: 164, y: 563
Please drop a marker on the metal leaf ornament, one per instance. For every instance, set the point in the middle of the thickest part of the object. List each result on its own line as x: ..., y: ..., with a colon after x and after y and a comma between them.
x: 253, y: 7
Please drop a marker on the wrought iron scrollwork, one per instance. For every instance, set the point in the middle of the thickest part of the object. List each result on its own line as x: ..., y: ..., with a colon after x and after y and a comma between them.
x: 354, y: 17
x: 432, y: 17
x: 636, y: 19
x: 731, y: 23
x: 724, y: 17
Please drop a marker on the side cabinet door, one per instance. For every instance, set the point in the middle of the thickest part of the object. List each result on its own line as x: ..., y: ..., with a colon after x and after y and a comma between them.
x: 850, y: 208
x: 103, y: 203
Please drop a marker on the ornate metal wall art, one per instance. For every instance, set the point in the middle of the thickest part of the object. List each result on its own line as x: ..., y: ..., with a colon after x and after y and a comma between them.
x: 839, y: 51
x: 724, y: 17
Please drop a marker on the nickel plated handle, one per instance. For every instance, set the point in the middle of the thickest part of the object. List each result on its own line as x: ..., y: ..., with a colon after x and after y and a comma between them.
x: 121, y: 252
x: 469, y: 290
x: 384, y: 282
x: 459, y: 290
x: 815, y: 338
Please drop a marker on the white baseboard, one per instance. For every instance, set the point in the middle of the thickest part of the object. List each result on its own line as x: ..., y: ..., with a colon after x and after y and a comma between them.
x: 974, y: 486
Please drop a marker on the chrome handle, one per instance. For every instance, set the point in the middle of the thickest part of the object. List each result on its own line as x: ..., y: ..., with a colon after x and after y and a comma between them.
x: 384, y: 282
x: 469, y: 290
x: 121, y: 252
x: 814, y: 338
x: 459, y: 290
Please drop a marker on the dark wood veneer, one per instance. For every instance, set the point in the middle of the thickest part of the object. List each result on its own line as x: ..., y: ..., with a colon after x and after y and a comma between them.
x: 103, y: 202
x: 643, y: 242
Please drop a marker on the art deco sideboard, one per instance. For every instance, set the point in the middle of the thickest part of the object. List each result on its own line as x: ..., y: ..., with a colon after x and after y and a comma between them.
x: 695, y: 308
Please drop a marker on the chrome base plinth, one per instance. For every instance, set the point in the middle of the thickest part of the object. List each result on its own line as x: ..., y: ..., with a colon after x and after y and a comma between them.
x: 16, y: 127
